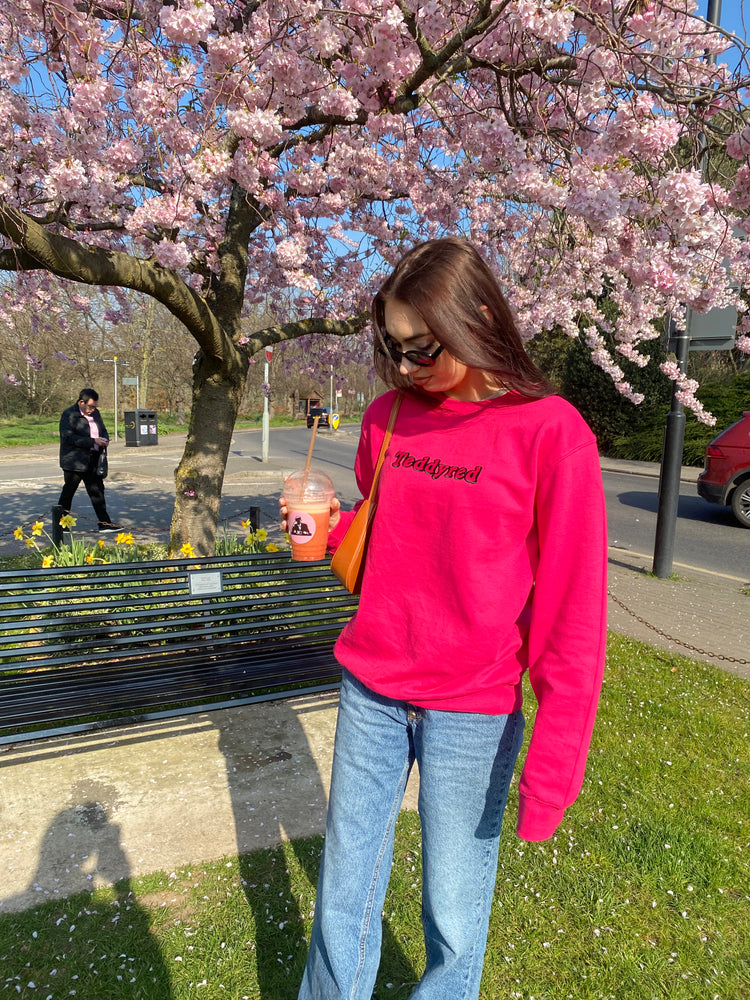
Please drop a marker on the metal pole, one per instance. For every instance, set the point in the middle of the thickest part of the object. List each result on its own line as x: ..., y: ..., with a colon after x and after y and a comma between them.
x: 115, y: 361
x: 671, y: 467
x: 674, y: 431
x: 266, y: 422
x: 59, y: 536
x: 331, y: 388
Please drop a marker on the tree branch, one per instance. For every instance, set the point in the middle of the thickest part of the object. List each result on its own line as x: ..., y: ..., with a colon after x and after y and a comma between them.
x: 244, y: 216
x: 406, y: 99
x: 40, y: 249
x: 302, y: 328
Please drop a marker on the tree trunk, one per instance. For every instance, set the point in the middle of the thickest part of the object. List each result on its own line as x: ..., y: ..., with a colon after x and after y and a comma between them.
x: 200, y: 475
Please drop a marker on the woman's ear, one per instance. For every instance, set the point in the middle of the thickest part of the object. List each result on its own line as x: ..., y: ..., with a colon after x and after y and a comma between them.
x: 486, y: 312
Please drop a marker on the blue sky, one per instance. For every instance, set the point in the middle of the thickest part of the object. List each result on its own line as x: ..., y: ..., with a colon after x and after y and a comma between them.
x: 735, y: 15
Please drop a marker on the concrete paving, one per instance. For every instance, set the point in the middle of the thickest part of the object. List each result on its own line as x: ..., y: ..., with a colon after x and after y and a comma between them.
x: 82, y: 810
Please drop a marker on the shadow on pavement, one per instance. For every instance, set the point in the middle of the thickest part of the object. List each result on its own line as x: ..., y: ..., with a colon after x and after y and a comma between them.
x: 124, y: 959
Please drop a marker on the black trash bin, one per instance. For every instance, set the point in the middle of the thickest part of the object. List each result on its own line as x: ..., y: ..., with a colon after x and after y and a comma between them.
x: 140, y: 428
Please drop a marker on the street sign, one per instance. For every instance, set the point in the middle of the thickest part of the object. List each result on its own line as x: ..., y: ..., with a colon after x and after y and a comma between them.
x: 269, y: 352
x: 712, y: 331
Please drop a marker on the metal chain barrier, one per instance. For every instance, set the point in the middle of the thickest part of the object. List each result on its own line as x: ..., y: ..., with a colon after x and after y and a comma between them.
x: 252, y: 512
x: 671, y: 638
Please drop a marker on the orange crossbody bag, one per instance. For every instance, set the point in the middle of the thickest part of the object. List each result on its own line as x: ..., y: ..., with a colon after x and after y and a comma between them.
x: 348, y: 562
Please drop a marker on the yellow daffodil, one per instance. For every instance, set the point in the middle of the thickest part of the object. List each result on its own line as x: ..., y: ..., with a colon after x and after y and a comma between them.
x: 30, y: 543
x: 125, y: 538
x: 36, y: 527
x: 187, y: 550
x: 246, y: 525
x: 271, y: 547
x: 47, y: 561
x: 90, y: 557
x: 261, y: 535
x: 18, y: 533
x: 101, y: 543
x: 67, y: 521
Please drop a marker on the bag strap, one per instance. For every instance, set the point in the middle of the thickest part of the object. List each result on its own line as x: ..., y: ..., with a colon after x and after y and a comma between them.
x: 386, y: 442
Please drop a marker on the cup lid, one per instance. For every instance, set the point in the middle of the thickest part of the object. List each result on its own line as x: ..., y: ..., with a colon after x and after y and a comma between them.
x: 312, y: 485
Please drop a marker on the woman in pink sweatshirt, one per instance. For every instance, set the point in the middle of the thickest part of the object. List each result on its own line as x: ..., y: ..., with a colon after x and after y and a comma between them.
x: 487, y: 559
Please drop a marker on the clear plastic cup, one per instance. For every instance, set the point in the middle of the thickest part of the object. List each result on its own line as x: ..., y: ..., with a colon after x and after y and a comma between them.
x: 308, y: 500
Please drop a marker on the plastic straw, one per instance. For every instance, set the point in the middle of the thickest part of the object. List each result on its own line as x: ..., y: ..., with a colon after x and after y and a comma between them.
x: 310, y: 449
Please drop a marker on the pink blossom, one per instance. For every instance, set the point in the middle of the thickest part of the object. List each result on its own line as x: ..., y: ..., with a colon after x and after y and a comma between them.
x: 174, y: 255
x: 291, y: 253
x: 188, y: 23
x: 685, y: 392
x: 64, y: 180
x: 262, y: 126
x: 34, y: 363
x: 738, y: 145
x: 566, y: 181
x: 626, y: 390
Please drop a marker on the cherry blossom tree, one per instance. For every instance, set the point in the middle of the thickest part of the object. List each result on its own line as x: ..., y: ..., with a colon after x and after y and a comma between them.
x: 218, y: 156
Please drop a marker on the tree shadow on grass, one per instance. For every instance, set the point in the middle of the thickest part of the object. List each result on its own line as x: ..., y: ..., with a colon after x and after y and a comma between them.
x: 283, y: 922
x: 274, y: 774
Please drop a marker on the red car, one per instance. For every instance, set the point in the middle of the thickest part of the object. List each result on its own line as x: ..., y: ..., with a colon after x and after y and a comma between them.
x: 726, y: 478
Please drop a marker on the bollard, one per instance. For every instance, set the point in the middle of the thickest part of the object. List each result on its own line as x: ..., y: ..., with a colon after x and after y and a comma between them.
x: 59, y: 535
x: 254, y: 518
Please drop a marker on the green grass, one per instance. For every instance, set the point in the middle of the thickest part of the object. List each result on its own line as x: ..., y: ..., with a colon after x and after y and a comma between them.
x: 30, y: 431
x: 641, y: 895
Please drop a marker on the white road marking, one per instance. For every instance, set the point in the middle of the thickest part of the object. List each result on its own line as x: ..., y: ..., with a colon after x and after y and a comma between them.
x: 695, y: 569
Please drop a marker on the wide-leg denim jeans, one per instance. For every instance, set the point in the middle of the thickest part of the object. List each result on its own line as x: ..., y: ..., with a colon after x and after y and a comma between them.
x: 465, y: 762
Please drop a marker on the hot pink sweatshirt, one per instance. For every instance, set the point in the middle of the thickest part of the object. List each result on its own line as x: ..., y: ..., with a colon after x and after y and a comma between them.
x: 487, y: 558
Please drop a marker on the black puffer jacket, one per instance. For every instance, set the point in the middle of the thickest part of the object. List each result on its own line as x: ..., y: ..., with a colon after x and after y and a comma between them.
x: 76, y: 442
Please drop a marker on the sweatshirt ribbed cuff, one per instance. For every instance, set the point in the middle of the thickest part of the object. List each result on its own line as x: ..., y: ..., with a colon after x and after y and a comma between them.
x: 536, y: 820
x: 336, y: 535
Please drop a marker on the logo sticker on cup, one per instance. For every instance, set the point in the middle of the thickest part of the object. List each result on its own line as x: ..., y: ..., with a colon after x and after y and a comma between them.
x: 303, y: 527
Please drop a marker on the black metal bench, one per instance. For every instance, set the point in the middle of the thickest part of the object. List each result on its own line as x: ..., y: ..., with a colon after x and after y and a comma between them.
x: 89, y: 646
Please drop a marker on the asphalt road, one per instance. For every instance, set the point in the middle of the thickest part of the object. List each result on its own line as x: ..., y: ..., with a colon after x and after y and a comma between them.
x: 140, y: 495
x: 706, y: 536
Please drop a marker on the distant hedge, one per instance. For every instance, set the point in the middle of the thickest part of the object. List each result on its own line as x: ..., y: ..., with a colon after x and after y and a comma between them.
x: 624, y: 430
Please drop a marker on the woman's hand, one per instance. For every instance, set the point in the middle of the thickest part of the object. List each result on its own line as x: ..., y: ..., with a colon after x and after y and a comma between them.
x: 334, y: 519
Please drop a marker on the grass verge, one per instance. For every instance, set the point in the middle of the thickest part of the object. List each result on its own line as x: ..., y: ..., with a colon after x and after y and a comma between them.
x: 641, y: 895
x: 30, y: 431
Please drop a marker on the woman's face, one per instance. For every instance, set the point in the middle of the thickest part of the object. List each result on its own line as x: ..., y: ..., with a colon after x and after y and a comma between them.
x: 447, y: 375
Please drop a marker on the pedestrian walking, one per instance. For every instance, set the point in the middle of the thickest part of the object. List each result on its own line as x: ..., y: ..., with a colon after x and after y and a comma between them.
x: 83, y: 456
x: 487, y: 560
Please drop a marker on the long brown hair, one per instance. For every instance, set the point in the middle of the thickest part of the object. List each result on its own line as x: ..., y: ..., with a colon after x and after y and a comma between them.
x: 456, y: 294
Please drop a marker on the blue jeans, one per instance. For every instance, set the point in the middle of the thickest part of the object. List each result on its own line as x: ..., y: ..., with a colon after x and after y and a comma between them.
x: 465, y: 765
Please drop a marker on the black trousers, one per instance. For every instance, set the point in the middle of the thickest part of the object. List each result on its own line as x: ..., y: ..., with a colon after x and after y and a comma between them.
x: 94, y: 487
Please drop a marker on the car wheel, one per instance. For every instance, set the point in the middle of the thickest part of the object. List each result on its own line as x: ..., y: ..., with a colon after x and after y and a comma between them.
x: 741, y: 503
